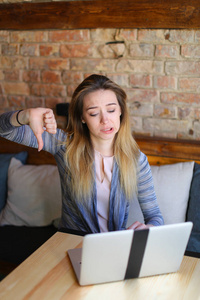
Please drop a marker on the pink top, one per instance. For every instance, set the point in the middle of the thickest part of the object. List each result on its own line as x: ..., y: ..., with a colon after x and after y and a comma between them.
x: 104, y: 168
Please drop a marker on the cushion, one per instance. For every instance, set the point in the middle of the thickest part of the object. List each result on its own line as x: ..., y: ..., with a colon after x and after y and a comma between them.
x: 34, y: 195
x: 193, y: 213
x: 4, y: 164
x: 172, y: 187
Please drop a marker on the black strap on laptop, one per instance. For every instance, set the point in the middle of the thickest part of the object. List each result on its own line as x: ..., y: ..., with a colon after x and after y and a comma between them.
x: 136, y: 253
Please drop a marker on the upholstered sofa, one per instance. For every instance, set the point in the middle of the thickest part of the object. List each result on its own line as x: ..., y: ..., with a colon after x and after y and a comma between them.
x: 30, y: 194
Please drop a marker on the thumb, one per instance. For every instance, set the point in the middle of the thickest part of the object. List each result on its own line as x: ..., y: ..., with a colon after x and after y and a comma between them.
x: 40, y: 141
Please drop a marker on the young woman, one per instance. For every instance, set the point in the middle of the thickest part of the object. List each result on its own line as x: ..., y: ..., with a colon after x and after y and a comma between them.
x: 101, y: 167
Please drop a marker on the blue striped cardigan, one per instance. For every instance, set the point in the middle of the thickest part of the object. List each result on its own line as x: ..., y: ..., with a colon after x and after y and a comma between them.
x: 82, y: 215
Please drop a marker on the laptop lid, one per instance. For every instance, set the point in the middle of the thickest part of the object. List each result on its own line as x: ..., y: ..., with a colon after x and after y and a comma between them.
x: 119, y: 255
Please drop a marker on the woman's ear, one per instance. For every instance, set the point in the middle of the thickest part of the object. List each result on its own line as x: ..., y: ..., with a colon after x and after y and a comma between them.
x: 83, y: 121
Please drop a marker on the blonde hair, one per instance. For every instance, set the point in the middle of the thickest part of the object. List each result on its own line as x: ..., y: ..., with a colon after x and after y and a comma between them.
x: 80, y: 153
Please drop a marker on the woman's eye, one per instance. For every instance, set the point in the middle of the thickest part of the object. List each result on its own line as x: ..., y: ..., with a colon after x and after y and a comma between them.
x: 94, y: 115
x: 111, y: 110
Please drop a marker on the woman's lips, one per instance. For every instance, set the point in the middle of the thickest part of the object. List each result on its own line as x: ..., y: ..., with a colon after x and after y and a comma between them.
x: 107, y: 130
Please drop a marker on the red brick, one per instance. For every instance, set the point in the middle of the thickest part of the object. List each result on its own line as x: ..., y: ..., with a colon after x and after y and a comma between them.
x: 137, y: 108
x: 16, y: 101
x: 29, y: 36
x: 150, y: 35
x: 48, y: 90
x: 189, y: 84
x: 70, y: 89
x: 183, y: 67
x: 197, y: 36
x: 51, y: 77
x: 169, y: 51
x: 31, y: 76
x: 93, y: 65
x: 69, y: 35
x: 181, y: 36
x: 11, y: 75
x: 164, y: 111
x: 197, y: 129
x: 118, y: 49
x: 120, y: 78
x: 144, y: 50
x: 4, y: 36
x: 75, y: 50
x: 184, y: 112
x: 35, y: 102
x: 106, y: 52
x: 140, y: 66
x: 136, y: 124
x: 49, y: 63
x: 10, y: 49
x: 6, y: 62
x: 51, y: 102
x: 29, y: 49
x: 165, y: 125
x: 68, y: 76
x: 1, y: 75
x: 150, y: 96
x: 103, y: 35
x: 177, y: 98
x: 138, y: 80
x: 191, y: 51
x: 165, y: 82
x: 172, y: 135
x: 16, y: 88
x: 20, y: 62
x: 196, y: 113
x: 49, y: 50
x: 3, y: 102
x: 126, y: 34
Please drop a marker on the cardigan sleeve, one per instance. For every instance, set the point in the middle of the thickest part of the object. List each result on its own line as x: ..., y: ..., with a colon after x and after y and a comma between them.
x: 24, y: 135
x: 146, y: 193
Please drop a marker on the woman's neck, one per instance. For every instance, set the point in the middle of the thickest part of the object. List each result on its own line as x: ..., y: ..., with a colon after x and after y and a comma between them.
x: 105, y: 148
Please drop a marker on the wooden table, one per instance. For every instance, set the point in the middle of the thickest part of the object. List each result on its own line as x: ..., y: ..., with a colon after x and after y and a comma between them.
x: 48, y: 274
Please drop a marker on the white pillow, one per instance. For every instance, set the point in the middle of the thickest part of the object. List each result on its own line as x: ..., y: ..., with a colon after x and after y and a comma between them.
x: 172, y: 186
x: 34, y: 195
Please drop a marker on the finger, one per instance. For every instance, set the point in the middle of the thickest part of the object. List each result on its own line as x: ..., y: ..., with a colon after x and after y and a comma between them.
x: 134, y: 225
x: 40, y: 141
x: 141, y: 226
x: 49, y: 114
x: 50, y: 124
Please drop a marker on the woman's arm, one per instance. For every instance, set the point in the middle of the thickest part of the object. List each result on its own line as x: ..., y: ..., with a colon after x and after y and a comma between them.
x: 38, y: 131
x: 39, y: 120
x: 146, y: 194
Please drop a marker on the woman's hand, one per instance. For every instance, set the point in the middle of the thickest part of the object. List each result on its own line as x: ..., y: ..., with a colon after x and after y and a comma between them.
x: 137, y: 225
x: 39, y: 120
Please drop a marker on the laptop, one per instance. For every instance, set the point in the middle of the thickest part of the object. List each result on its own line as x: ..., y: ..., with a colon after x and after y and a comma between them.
x: 119, y: 255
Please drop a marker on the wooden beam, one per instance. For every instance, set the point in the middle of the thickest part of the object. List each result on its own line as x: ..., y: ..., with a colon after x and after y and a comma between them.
x: 178, y: 14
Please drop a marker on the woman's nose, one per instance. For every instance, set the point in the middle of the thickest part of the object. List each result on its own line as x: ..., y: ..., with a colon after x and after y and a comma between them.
x: 104, y: 118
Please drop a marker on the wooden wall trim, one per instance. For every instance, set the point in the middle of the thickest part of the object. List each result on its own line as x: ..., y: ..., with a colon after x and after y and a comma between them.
x: 156, y: 14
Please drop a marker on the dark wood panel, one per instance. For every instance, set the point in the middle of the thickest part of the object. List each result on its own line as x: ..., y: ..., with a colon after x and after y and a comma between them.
x: 159, y: 151
x: 162, y: 151
x: 101, y: 14
x: 34, y: 157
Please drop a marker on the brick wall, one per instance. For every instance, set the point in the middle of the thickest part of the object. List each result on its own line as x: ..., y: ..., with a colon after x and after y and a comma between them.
x: 159, y: 69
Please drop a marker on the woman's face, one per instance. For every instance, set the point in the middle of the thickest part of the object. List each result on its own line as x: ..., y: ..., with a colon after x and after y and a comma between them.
x: 101, y: 113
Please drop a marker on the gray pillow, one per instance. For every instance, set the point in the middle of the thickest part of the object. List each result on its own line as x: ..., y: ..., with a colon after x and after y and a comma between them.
x: 4, y: 165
